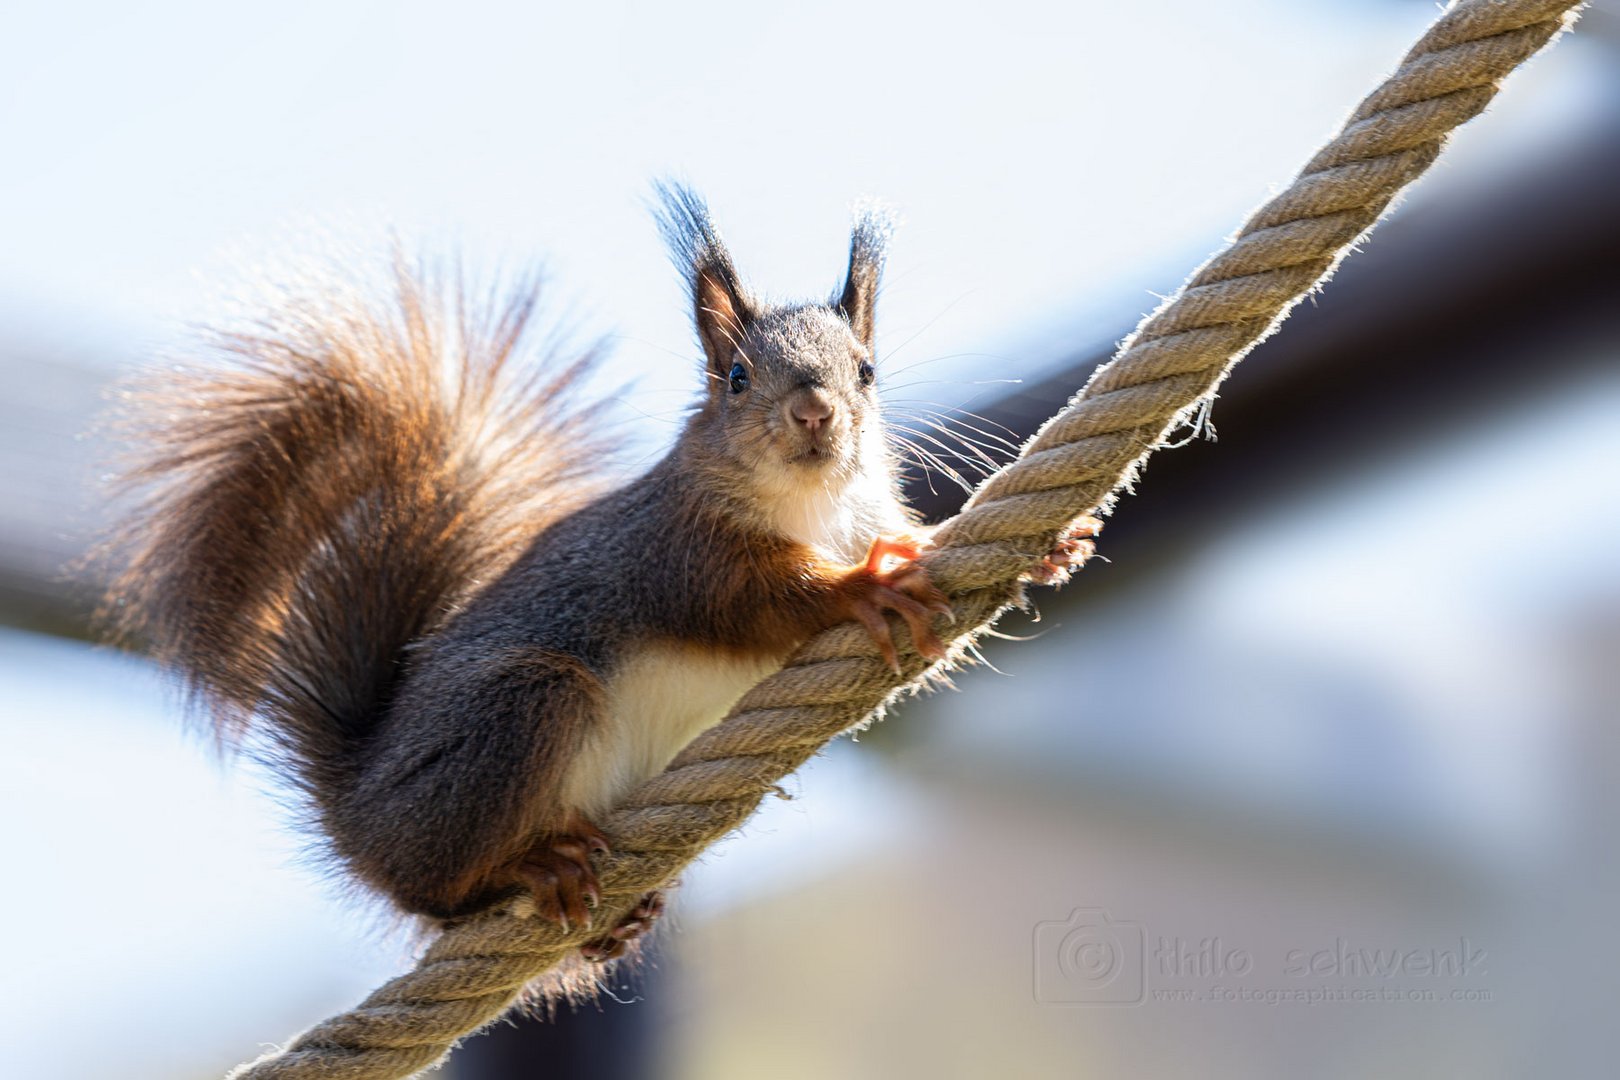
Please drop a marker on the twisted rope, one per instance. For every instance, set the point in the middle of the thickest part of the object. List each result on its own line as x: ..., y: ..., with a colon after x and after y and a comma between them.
x: 1074, y: 465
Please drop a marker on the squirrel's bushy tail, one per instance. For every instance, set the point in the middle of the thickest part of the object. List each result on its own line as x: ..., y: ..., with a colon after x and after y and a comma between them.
x: 326, y: 489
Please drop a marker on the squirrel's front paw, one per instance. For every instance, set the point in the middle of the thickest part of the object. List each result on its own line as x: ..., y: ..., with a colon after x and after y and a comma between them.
x: 558, y: 871
x: 1069, y: 554
x: 878, y: 586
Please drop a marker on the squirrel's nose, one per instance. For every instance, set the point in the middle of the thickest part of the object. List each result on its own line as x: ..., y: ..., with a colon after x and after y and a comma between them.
x: 812, y: 410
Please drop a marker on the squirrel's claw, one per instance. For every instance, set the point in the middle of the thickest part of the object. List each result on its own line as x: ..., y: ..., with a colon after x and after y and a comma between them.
x: 592, y: 837
x: 1069, y: 554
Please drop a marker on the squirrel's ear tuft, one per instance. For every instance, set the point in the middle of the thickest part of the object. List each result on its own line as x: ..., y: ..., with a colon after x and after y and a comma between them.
x: 721, y: 308
x: 868, y: 247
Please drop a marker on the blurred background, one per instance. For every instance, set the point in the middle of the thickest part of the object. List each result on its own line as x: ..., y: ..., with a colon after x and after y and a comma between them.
x: 1316, y: 776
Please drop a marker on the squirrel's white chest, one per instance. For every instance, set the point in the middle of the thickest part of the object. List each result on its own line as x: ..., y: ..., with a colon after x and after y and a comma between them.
x: 658, y: 700
x: 841, y: 522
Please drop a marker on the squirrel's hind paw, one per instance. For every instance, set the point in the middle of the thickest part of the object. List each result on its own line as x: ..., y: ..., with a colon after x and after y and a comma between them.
x: 612, y: 945
x: 558, y: 871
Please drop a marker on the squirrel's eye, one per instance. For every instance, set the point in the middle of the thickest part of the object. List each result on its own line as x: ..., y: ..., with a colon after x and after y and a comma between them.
x: 738, y: 378
x: 868, y: 373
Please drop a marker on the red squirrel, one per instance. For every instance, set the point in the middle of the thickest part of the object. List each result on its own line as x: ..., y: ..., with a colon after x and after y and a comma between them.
x: 371, y: 541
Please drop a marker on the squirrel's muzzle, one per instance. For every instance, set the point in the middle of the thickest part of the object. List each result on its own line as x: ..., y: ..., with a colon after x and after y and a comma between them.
x: 812, y: 423
x: 810, y: 411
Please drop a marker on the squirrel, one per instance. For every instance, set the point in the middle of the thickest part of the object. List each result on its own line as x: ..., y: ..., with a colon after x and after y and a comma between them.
x: 371, y: 541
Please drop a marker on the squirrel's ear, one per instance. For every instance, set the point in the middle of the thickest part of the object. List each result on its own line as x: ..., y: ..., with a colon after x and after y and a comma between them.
x: 721, y: 308
x: 868, y: 247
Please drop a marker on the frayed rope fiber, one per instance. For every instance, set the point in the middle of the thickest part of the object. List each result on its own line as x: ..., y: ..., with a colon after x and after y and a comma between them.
x: 475, y: 970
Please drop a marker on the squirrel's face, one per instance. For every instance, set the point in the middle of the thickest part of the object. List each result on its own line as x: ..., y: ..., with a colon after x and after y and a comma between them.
x: 790, y: 396
x: 796, y: 395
